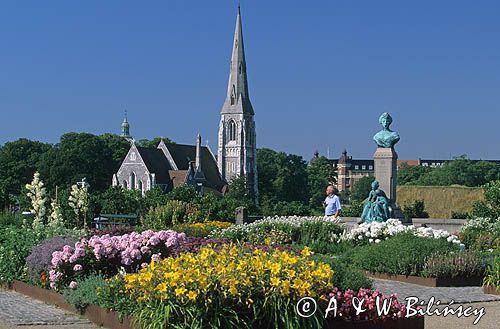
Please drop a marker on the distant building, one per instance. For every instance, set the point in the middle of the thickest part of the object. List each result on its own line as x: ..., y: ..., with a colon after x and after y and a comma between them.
x: 350, y: 170
x: 169, y: 166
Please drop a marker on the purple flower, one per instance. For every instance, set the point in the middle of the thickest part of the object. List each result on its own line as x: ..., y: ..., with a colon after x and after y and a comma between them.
x: 77, y: 268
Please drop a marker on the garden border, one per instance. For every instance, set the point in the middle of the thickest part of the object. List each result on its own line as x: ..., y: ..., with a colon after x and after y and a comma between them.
x: 429, y: 282
x: 95, y: 314
x: 112, y: 320
x: 491, y: 290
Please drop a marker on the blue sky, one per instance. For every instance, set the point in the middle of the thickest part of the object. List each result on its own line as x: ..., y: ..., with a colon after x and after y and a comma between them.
x: 320, y: 72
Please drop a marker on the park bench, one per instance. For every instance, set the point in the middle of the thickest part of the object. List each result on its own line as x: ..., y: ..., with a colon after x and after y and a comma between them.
x: 104, y: 220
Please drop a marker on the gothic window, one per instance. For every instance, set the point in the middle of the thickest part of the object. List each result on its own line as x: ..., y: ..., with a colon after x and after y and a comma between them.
x: 139, y: 185
x: 232, y: 130
x: 233, y: 96
x: 241, y: 68
x: 132, y: 180
x: 133, y: 156
x: 124, y: 184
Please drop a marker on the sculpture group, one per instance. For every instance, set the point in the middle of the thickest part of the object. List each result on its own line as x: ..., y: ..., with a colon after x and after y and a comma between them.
x: 379, y: 207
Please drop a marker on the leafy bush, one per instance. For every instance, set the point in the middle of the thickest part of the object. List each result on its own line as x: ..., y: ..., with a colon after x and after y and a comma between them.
x: 85, y: 292
x: 460, y: 215
x: 227, y: 288
x: 455, y: 264
x: 492, y: 277
x: 9, y: 219
x: 200, y: 230
x: 481, y: 233
x: 172, y: 213
x: 354, y: 209
x: 415, y: 210
x: 490, y: 207
x: 345, y: 276
x: 15, y: 244
x: 38, y: 263
x: 404, y: 254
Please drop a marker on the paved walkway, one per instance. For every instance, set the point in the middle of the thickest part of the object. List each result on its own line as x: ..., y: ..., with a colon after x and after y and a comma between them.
x: 444, y: 294
x: 19, y: 310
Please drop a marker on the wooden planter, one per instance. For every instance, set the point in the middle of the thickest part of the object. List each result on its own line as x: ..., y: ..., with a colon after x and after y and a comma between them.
x: 490, y: 290
x: 429, y: 282
x: 406, y: 323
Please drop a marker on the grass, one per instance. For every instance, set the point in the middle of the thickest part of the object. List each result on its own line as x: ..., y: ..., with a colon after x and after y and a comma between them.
x: 440, y: 201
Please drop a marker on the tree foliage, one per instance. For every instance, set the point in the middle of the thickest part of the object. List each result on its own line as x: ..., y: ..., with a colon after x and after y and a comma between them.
x: 362, y: 188
x: 320, y: 174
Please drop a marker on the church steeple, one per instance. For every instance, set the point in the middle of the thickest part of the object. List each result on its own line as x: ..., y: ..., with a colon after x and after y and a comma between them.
x: 237, y: 99
x: 237, y: 151
x: 126, y: 127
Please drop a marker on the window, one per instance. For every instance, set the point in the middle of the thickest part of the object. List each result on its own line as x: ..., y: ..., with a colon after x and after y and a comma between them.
x: 133, y: 156
x: 124, y: 184
x: 356, y: 167
x: 363, y: 167
x: 132, y: 180
x: 233, y: 96
x: 370, y: 167
x: 139, y: 185
x: 232, y: 130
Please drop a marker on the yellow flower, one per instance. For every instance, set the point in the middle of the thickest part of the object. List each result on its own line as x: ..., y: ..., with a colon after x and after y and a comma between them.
x: 275, y: 281
x: 180, y: 291
x: 192, y: 295
x: 306, y: 252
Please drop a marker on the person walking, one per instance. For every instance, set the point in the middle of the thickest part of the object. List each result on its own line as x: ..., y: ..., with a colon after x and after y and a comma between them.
x: 332, y: 204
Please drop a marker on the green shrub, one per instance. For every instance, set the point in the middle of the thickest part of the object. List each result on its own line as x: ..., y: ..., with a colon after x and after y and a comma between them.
x: 492, y: 277
x: 15, y: 245
x: 403, y: 254
x: 354, y: 209
x: 85, y: 292
x: 345, y: 275
x: 455, y: 264
x: 172, y: 213
x: 415, y: 210
x: 481, y: 234
x: 490, y: 207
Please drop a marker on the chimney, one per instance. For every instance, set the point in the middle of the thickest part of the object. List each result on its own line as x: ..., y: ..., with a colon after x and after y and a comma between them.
x: 198, y: 152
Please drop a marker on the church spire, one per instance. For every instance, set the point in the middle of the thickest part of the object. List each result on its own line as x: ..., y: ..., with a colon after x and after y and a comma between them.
x: 125, y: 127
x: 237, y: 99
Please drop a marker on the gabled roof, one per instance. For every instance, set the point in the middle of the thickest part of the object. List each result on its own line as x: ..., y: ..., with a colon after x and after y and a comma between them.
x: 184, y: 154
x: 156, y: 162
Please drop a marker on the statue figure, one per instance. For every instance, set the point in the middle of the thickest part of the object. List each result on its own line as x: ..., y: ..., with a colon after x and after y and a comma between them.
x: 386, y: 137
x: 378, y: 208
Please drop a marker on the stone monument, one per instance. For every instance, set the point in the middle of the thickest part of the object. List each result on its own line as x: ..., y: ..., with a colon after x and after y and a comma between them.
x: 385, y: 161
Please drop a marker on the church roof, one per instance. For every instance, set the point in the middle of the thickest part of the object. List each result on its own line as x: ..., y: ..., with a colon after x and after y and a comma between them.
x: 184, y: 154
x: 156, y: 162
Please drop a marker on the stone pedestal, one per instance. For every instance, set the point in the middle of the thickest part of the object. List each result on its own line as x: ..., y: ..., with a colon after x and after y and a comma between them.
x: 386, y: 170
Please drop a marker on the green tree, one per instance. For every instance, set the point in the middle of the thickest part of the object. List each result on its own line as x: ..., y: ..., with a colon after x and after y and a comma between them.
x: 320, y: 173
x: 362, y: 188
x: 153, y: 143
x: 282, y: 177
x: 408, y: 175
x: 119, y: 147
x: 490, y: 207
x: 18, y: 162
x: 76, y: 156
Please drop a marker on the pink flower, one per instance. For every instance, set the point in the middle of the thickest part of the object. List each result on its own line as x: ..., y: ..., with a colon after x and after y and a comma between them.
x: 72, y: 285
x: 77, y: 268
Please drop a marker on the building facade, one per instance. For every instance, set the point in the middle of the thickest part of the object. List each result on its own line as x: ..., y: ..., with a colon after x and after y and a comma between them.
x: 237, y: 138
x: 169, y: 166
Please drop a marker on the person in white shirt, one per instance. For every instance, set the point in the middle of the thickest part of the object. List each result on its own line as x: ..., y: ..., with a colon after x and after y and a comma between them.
x: 332, y: 204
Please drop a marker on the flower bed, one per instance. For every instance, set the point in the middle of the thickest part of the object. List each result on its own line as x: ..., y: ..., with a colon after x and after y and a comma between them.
x: 230, y: 287
x: 375, y: 232
x: 107, y: 255
x: 200, y: 229
x: 315, y: 232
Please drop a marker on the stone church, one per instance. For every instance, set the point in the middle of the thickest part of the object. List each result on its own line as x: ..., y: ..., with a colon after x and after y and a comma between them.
x: 170, y: 165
